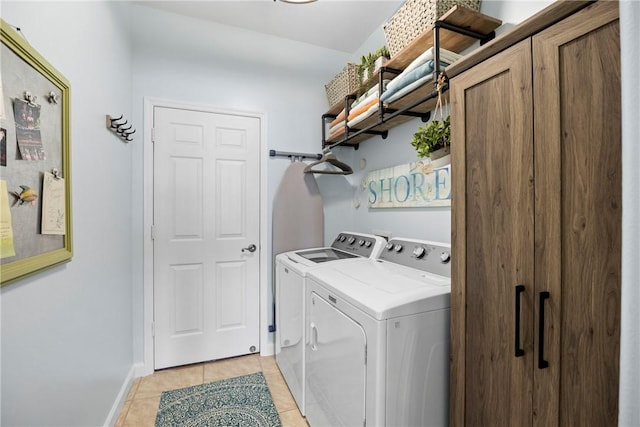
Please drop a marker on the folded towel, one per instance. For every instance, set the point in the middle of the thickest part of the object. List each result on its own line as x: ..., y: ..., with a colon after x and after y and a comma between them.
x: 364, y: 100
x: 408, y: 88
x: 356, y: 106
x: 363, y: 108
x: 427, y: 55
x: 446, y: 56
x: 371, y: 91
x: 361, y: 117
x: 334, y: 135
x: 408, y: 78
x: 338, y: 119
x: 336, y: 126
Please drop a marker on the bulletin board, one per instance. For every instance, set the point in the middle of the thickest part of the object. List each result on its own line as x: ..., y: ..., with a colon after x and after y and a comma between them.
x: 35, y: 175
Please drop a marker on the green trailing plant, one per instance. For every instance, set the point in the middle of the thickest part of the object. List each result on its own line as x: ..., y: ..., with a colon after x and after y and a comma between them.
x: 367, y: 63
x: 436, y: 134
x: 432, y: 136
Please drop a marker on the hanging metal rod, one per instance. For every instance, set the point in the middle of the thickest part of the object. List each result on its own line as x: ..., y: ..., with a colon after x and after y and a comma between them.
x: 274, y: 153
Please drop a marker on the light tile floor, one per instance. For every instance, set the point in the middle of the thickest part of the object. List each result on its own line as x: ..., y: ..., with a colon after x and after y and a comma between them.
x: 141, y: 405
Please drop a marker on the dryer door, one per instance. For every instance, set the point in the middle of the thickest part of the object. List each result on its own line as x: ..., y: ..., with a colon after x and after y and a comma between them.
x: 336, y: 366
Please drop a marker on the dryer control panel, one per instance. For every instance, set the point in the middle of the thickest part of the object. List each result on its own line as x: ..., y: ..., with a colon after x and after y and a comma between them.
x: 432, y: 257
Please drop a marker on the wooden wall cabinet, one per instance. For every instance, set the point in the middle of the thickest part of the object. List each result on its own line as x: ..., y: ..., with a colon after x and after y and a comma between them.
x: 536, y: 157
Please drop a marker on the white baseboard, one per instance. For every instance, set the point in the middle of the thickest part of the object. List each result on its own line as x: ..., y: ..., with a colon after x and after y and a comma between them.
x: 122, y: 396
x: 143, y: 369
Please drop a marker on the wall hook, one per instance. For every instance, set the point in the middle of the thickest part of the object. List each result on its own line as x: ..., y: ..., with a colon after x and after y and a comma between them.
x: 117, y: 125
x: 122, y: 130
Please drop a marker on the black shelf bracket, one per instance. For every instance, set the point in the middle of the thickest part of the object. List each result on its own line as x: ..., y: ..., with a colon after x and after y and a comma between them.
x: 367, y: 130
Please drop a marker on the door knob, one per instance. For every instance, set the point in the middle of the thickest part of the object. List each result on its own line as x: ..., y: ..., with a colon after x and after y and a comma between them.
x: 250, y: 248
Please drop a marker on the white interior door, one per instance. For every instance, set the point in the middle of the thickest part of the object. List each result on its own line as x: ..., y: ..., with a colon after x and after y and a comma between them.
x: 205, y: 212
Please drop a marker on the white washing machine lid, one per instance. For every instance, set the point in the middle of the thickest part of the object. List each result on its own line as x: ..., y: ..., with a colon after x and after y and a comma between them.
x: 346, y: 246
x: 307, y: 259
x: 383, y: 289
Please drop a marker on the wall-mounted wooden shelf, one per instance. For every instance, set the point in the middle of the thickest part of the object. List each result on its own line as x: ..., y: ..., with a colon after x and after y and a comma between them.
x: 462, y: 27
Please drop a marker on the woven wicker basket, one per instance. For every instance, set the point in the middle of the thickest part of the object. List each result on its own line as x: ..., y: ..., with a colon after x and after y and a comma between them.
x: 345, y: 82
x: 414, y: 17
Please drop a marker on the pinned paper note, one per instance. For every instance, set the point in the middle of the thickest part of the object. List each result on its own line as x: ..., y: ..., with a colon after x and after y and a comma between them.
x: 6, y: 229
x: 53, y: 205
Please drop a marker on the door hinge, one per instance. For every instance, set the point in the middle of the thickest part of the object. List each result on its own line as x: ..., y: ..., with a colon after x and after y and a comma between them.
x: 153, y: 232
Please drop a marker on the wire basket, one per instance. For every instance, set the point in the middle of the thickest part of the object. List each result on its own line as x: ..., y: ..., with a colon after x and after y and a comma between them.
x: 414, y: 17
x: 345, y: 82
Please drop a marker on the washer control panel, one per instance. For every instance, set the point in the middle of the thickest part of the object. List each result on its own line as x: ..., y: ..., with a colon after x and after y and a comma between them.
x: 359, y: 244
x: 424, y: 255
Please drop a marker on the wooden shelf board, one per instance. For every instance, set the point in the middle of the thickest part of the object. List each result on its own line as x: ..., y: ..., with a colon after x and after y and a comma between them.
x: 460, y: 16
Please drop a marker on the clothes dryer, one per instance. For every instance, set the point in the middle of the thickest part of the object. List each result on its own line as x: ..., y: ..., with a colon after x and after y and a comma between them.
x: 291, y: 271
x: 378, y: 339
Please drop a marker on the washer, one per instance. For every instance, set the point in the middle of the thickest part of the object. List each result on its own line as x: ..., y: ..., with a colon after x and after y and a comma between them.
x: 291, y: 271
x: 378, y: 346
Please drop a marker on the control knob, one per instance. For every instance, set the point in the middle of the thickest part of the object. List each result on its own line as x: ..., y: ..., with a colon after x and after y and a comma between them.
x: 398, y: 248
x: 352, y: 240
x: 361, y: 242
x: 389, y: 246
x: 419, y: 252
x: 367, y: 243
x: 445, y: 257
x: 342, y: 238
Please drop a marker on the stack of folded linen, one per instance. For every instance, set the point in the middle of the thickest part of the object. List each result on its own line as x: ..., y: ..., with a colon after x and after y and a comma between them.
x: 417, y: 73
x: 366, y: 105
x: 336, y: 127
x: 362, y: 108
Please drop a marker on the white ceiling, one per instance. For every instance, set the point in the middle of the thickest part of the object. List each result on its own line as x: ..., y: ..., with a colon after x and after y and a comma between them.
x: 342, y: 25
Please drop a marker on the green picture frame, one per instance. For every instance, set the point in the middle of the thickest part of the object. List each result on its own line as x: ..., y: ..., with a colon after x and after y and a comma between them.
x: 23, y: 70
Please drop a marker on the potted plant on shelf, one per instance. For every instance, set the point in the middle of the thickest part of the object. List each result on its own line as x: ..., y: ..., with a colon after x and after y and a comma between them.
x: 433, y: 139
x: 370, y: 62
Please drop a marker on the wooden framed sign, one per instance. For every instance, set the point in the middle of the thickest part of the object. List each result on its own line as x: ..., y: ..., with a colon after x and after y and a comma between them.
x: 410, y: 185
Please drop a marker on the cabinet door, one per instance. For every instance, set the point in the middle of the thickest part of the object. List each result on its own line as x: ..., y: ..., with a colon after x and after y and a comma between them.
x: 578, y: 216
x: 492, y: 208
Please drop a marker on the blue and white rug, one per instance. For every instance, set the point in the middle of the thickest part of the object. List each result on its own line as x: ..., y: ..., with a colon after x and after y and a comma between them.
x: 239, y: 402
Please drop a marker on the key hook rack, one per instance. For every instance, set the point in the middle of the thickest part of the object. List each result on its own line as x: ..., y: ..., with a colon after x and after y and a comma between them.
x: 118, y: 125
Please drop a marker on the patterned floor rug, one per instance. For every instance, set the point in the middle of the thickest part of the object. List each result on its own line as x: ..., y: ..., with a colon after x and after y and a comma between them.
x: 242, y: 401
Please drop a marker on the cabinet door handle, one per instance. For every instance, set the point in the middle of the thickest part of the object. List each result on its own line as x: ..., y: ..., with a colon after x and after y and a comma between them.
x: 519, y: 349
x: 541, y: 362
